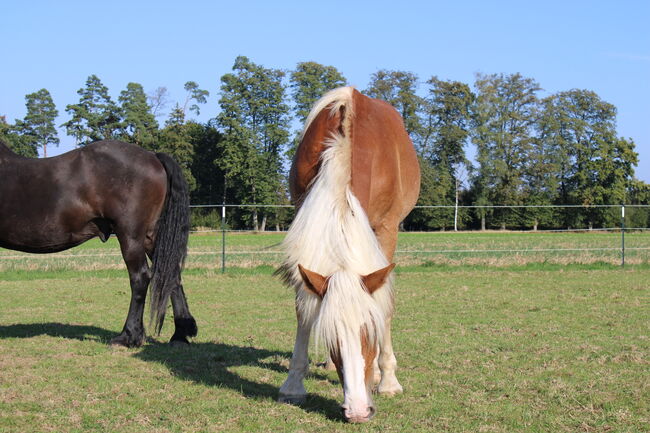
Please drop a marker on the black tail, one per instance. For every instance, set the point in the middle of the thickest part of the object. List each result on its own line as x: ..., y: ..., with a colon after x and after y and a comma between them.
x: 171, y: 241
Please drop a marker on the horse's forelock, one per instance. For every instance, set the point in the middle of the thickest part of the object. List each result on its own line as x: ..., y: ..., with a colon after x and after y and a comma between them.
x: 347, y: 309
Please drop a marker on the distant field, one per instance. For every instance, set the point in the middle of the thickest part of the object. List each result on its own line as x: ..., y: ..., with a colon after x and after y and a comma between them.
x: 490, y: 248
x: 530, y: 348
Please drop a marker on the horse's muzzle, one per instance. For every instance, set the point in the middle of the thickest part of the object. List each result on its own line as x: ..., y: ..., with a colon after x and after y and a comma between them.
x: 356, y: 418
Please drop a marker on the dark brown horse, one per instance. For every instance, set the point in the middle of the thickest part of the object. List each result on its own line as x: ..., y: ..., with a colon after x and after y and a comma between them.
x: 52, y: 204
x: 354, y: 178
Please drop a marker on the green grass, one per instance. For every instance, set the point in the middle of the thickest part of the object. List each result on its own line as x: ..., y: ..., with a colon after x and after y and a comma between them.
x: 250, y: 250
x: 522, y: 348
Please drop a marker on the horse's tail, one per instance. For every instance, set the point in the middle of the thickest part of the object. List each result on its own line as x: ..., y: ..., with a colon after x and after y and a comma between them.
x: 170, y: 248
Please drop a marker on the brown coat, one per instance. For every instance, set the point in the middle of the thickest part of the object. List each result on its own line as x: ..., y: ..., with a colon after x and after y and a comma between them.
x: 385, y: 174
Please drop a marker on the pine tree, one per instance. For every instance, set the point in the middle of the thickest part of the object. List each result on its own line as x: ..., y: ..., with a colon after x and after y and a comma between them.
x: 175, y: 140
x: 208, y: 149
x: 139, y: 125
x: 96, y: 116
x: 16, y: 142
x: 38, y: 128
x: 194, y: 93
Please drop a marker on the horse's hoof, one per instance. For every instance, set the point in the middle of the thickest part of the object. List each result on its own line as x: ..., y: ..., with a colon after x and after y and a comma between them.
x: 186, y: 326
x: 292, y: 399
x: 390, y: 391
x: 376, y: 380
x: 327, y: 365
x: 179, y: 343
x: 125, y: 341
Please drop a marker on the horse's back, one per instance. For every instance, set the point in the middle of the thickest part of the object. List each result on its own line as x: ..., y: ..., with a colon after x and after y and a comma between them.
x: 121, y: 156
x: 99, y: 175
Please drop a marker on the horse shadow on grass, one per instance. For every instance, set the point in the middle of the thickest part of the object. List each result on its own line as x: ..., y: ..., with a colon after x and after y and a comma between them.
x: 52, y: 329
x: 208, y: 364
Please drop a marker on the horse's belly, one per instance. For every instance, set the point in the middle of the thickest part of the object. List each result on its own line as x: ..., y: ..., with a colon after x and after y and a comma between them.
x: 42, y: 239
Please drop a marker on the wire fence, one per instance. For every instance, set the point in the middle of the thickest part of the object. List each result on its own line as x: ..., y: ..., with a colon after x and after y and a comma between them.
x: 580, y: 240
x: 225, y: 236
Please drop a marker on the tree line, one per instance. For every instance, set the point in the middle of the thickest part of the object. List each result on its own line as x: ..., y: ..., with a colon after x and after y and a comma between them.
x: 561, y: 149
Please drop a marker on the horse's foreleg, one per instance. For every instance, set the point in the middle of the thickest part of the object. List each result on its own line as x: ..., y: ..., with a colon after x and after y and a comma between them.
x: 386, y: 362
x: 185, y: 325
x: 387, y: 365
x: 132, y: 334
x: 293, y: 390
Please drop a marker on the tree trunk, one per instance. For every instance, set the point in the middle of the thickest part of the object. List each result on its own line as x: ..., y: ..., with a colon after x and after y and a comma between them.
x: 263, y: 227
x: 483, y: 223
x: 535, y: 225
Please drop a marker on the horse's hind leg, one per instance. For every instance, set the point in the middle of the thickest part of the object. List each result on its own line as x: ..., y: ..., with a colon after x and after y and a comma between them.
x: 132, y: 334
x: 183, y: 321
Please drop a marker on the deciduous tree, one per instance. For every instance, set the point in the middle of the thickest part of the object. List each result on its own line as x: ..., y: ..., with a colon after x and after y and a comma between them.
x: 158, y: 100
x: 310, y: 81
x: 255, y: 121
x: 594, y: 166
x: 444, y: 133
x: 504, y: 117
x: 398, y: 88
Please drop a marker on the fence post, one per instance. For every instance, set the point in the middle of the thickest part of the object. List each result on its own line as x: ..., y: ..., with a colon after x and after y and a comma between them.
x: 223, y: 238
x: 623, y: 235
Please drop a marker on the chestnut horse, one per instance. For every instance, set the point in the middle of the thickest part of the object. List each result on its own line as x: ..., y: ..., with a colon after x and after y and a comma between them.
x: 52, y: 204
x: 354, y: 178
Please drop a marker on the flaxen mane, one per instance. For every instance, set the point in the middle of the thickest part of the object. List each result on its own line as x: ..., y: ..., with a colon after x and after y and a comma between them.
x: 331, y: 235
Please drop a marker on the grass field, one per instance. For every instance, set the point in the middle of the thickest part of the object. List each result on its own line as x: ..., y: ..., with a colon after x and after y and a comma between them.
x: 512, y: 345
x: 489, y: 248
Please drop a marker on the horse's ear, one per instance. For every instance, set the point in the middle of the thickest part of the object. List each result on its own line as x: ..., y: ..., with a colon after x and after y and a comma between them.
x: 316, y: 283
x: 377, y: 279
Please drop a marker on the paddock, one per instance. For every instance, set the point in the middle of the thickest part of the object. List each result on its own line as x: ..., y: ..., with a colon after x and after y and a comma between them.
x: 210, y: 249
x: 487, y: 346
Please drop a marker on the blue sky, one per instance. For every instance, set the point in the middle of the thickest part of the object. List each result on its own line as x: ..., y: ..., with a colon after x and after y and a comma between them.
x: 602, y: 46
